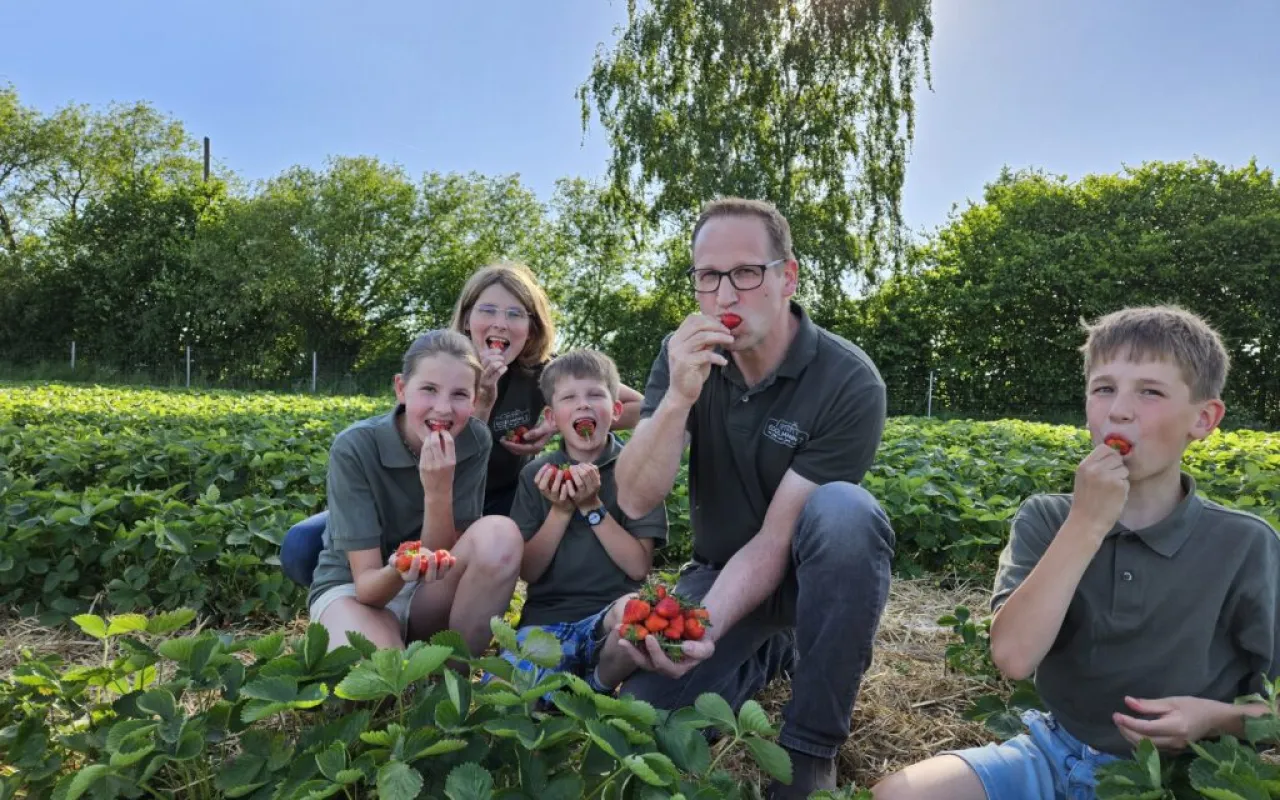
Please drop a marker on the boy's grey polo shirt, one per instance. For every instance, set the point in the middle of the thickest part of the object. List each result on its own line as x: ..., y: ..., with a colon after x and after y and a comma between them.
x: 820, y: 413
x: 1188, y: 606
x: 582, y: 578
x: 375, y: 497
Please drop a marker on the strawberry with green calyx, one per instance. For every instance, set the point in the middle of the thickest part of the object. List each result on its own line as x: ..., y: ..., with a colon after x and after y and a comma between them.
x: 585, y: 427
x: 1118, y: 443
x: 633, y: 633
x: 693, y: 628
x: 730, y: 320
x: 635, y: 610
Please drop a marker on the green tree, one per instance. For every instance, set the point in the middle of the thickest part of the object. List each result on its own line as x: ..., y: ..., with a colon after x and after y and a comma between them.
x: 1008, y: 280
x: 806, y: 104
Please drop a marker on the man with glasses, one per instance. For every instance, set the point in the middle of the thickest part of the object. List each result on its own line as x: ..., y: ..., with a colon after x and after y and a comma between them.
x: 790, y: 555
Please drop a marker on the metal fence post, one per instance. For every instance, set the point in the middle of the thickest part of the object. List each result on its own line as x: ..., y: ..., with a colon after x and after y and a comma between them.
x: 929, y: 401
x: 188, y: 366
x: 313, y: 371
x: 73, y: 355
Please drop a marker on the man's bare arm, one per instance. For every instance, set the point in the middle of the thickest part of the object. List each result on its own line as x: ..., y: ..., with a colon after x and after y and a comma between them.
x: 648, y: 465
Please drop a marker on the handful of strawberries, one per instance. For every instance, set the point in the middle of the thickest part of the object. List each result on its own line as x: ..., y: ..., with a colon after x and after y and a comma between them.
x: 665, y: 615
x: 413, y: 547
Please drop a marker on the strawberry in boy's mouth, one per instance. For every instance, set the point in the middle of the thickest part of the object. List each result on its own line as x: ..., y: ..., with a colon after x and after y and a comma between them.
x: 1118, y: 443
x: 584, y: 427
x: 497, y: 343
x: 437, y: 425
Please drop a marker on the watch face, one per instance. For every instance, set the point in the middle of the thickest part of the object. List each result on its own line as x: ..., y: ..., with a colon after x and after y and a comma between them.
x: 595, y: 517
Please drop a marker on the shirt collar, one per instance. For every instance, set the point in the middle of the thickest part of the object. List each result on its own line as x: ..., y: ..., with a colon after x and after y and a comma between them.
x: 1167, y: 536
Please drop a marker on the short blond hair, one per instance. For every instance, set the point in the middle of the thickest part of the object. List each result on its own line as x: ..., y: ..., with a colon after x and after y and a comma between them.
x: 588, y: 364
x: 775, y: 224
x: 521, y: 282
x: 1166, y: 332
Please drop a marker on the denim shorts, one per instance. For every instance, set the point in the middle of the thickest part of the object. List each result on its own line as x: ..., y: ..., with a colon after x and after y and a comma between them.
x: 1046, y: 763
x: 580, y: 645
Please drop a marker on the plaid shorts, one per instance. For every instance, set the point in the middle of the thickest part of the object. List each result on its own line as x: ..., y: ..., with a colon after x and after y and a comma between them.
x: 580, y: 644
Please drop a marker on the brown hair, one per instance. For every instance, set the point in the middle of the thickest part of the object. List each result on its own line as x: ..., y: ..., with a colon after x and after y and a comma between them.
x: 1151, y: 333
x: 775, y: 224
x: 441, y: 341
x: 521, y: 282
x: 588, y: 364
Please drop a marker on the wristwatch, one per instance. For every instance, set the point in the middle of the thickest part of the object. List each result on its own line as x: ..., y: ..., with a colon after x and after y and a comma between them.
x: 594, y: 517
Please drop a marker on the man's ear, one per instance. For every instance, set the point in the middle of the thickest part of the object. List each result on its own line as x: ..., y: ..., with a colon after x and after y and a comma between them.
x: 790, y: 277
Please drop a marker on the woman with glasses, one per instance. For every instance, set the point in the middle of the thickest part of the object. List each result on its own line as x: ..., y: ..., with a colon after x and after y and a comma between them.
x: 507, y: 316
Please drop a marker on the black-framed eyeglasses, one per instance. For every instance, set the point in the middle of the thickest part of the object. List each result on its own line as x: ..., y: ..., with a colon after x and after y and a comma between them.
x: 742, y: 277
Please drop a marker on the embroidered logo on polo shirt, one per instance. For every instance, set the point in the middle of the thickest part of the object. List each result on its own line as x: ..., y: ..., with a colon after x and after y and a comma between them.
x: 509, y: 420
x: 785, y: 432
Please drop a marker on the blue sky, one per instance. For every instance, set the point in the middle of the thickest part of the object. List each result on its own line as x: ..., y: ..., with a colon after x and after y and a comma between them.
x: 1071, y: 87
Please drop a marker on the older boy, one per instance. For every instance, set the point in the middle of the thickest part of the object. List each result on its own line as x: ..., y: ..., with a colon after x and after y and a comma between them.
x: 1143, y: 610
x: 581, y: 552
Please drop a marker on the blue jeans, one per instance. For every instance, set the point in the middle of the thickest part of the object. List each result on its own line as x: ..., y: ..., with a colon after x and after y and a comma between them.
x: 301, y: 548
x: 819, y: 625
x: 1045, y: 763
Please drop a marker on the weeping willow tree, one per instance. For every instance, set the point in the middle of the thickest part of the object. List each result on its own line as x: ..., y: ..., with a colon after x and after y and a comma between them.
x: 807, y: 104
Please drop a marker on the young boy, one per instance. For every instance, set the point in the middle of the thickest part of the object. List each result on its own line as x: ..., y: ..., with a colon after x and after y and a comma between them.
x: 581, y: 553
x: 1142, y: 609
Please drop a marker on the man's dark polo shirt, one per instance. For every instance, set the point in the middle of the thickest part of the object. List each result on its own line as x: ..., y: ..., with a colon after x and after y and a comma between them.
x: 820, y: 413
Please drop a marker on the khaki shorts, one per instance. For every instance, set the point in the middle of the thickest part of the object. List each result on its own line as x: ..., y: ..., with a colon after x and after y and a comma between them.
x: 398, y: 605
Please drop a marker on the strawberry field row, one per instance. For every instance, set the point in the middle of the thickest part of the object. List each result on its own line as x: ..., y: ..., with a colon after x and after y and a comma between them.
x: 142, y: 499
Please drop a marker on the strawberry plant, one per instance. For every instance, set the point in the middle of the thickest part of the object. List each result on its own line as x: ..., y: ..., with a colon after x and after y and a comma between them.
x: 213, y: 715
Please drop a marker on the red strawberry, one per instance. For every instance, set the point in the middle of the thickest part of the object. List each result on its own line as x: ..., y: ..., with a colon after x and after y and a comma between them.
x: 584, y: 428
x: 636, y: 610
x: 675, y: 630
x: 656, y: 623
x: 667, y: 607
x: 660, y: 591
x: 633, y: 633
x: 403, y: 562
x: 437, y: 425
x: 700, y: 614
x: 730, y: 320
x: 496, y: 344
x: 517, y: 435
x: 693, y: 628
x: 1119, y: 444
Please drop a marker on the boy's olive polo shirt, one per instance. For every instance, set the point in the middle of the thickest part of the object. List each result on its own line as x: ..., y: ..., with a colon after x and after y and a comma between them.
x: 1188, y: 606
x: 582, y: 578
x: 375, y: 497
x: 820, y: 413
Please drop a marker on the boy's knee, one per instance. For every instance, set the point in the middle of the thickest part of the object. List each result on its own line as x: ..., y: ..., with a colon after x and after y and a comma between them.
x: 497, y: 546
x: 844, y: 519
